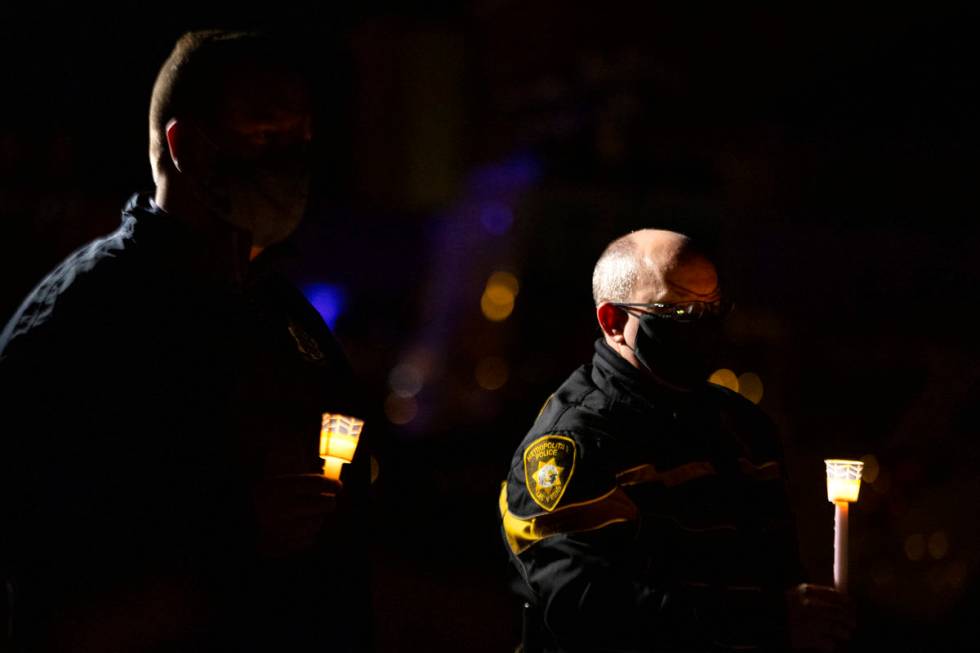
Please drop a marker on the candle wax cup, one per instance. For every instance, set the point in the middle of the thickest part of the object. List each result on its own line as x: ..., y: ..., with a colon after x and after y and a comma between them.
x: 338, y: 445
x: 339, y: 435
x: 843, y: 489
x: 332, y: 466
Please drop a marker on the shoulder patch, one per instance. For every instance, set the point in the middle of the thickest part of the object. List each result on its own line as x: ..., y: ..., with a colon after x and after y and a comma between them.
x: 305, y: 344
x: 549, y: 463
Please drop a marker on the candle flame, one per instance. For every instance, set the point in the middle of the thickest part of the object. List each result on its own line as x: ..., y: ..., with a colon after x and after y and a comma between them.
x: 843, y: 480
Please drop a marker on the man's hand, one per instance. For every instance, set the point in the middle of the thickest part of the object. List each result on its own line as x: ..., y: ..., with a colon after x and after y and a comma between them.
x: 291, y: 510
x: 820, y: 618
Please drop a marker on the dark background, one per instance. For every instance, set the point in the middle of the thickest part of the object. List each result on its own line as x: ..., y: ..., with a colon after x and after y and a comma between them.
x: 831, y: 152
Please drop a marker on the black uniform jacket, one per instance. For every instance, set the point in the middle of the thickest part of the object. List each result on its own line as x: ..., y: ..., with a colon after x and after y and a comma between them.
x: 645, y: 520
x: 147, y: 385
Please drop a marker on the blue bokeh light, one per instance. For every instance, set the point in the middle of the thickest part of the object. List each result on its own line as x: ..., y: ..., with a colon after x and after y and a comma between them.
x: 496, y: 217
x: 515, y: 173
x: 328, y: 299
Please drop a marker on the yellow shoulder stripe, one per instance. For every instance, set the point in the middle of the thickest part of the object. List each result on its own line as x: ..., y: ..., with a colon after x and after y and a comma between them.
x: 545, y: 405
x: 610, y: 508
x: 670, y: 477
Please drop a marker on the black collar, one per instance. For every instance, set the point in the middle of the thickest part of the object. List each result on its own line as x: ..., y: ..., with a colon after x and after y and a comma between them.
x: 222, y: 260
x: 626, y: 384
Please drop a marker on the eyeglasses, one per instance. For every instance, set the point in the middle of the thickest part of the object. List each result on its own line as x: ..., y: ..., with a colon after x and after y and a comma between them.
x: 682, y: 311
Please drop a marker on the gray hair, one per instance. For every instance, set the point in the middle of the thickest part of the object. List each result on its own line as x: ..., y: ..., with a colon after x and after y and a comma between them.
x: 640, y: 258
x: 617, y: 271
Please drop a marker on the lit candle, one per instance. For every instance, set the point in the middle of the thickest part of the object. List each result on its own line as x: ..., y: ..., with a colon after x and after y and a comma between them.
x: 331, y: 467
x: 339, y: 435
x: 843, y: 486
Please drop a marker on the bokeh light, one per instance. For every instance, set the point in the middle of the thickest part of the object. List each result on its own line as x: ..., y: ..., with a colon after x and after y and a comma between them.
x: 400, y: 410
x: 956, y: 574
x: 496, y: 218
x: 883, y: 482
x: 725, y: 378
x: 871, y: 468
x: 503, y: 280
x: 405, y: 380
x: 328, y: 300
x: 493, y: 311
x: 750, y: 387
x: 915, y: 547
x: 938, y: 545
x: 492, y: 373
x: 497, y: 302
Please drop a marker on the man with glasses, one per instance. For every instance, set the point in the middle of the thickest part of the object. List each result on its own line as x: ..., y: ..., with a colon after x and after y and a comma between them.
x: 646, y: 508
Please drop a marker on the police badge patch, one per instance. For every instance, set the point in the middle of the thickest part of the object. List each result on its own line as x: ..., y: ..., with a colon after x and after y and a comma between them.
x: 548, y: 465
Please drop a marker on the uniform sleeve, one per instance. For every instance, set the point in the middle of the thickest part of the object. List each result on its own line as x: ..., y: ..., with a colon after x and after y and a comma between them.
x: 590, y: 564
x: 763, y: 462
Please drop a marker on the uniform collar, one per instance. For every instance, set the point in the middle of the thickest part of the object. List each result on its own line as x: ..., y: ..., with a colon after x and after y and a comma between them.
x: 627, y: 385
x: 222, y: 257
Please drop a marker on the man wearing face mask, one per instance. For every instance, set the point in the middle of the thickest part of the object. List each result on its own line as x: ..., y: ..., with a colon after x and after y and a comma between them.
x: 646, y: 508
x: 163, y: 389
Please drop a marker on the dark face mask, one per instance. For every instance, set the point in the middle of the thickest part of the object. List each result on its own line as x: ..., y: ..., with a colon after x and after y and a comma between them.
x: 681, y: 353
x: 266, y: 196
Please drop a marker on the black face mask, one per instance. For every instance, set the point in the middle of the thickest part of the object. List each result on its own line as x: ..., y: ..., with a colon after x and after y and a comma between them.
x: 266, y: 197
x: 681, y: 353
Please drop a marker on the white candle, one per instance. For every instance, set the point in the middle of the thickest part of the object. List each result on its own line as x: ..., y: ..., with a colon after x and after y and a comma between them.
x: 840, y: 546
x: 843, y: 487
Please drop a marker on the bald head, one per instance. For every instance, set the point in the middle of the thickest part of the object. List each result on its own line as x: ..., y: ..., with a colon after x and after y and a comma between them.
x: 651, y: 265
x: 647, y: 267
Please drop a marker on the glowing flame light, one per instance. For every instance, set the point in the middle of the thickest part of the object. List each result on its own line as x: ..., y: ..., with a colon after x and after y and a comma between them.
x: 843, y: 480
x: 497, y: 302
x: 725, y: 378
x: 339, y: 435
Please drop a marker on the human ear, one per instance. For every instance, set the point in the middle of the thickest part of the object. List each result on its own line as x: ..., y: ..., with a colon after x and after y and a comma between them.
x: 612, y: 321
x: 174, y: 132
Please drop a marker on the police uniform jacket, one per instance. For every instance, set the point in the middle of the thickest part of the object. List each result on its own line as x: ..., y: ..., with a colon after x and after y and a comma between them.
x: 641, y: 519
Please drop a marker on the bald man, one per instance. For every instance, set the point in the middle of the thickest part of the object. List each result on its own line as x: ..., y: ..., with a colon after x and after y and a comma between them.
x: 646, y: 509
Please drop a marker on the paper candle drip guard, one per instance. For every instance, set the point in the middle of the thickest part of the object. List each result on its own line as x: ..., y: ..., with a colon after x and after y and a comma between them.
x: 339, y: 435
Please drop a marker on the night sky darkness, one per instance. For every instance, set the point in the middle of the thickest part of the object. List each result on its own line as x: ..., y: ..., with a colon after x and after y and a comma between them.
x: 832, y: 157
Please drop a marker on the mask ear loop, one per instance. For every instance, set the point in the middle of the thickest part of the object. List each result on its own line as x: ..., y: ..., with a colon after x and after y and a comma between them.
x: 626, y: 311
x: 204, y: 135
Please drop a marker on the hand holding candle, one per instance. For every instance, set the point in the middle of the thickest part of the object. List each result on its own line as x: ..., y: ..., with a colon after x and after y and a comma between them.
x: 339, y: 435
x: 843, y: 486
x: 290, y: 510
